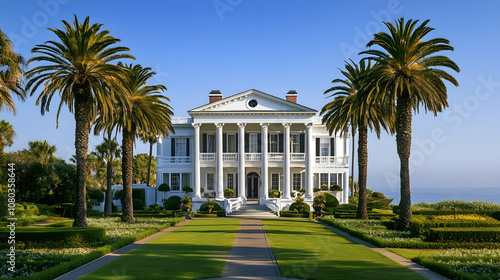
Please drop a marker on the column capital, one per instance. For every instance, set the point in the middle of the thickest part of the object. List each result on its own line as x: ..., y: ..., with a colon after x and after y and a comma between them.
x: 309, y: 125
x: 264, y: 125
x: 219, y: 125
x: 196, y: 125
x: 287, y: 124
x: 242, y: 125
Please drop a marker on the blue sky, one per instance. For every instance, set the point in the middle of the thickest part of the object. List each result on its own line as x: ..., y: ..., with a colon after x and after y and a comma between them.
x: 275, y: 46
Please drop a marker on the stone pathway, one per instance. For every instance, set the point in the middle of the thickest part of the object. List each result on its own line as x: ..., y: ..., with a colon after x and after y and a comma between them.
x: 251, y: 256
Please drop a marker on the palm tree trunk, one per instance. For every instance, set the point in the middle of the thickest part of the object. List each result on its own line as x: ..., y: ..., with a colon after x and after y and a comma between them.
x: 149, y: 163
x: 403, y: 141
x: 352, y: 163
x: 363, y: 169
x: 82, y: 131
x: 127, y: 169
x: 108, y: 209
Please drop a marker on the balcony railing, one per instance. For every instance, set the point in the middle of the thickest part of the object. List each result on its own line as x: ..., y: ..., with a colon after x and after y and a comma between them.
x: 174, y: 160
x: 297, y: 157
x: 230, y: 156
x: 332, y: 160
x: 207, y: 157
x: 252, y: 156
x: 275, y: 156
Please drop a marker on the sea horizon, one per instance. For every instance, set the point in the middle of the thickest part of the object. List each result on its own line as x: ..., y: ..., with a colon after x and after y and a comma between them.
x: 436, y: 194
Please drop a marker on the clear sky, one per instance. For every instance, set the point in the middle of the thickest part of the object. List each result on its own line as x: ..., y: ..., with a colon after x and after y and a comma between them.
x: 275, y: 46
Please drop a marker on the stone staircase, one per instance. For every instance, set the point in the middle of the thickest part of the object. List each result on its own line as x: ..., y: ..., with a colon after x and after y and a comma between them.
x: 252, y: 209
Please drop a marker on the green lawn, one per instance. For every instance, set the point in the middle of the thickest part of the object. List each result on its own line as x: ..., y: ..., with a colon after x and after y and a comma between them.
x: 304, y: 249
x: 411, y: 253
x: 196, y: 250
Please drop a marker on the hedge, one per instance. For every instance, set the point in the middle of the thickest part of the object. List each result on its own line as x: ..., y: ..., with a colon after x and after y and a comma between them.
x: 305, y: 214
x: 472, y: 234
x: 489, y: 213
x: 374, y: 216
x: 55, y: 237
x: 204, y: 206
x: 172, y: 203
x: 203, y: 215
x: 445, y: 269
x: 219, y: 213
x: 293, y: 207
x: 419, y: 226
x: 55, y: 271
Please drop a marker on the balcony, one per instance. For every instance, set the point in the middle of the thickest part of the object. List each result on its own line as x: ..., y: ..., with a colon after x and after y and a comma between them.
x: 297, y: 157
x: 207, y: 157
x: 230, y: 157
x: 275, y: 156
x: 253, y: 156
x: 181, y: 160
x: 332, y: 160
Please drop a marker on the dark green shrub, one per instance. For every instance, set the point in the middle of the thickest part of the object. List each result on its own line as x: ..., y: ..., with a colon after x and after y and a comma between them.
x: 274, y: 194
x: 293, y: 206
x: 172, y: 203
x: 91, y: 212
x: 335, y: 188
x: 204, y: 215
x: 469, y: 235
x: 65, y: 209
x: 57, y: 237
x: 154, y: 208
x: 138, y: 204
x: 305, y: 214
x: 378, y: 195
x: 420, y: 225
x: 379, y: 203
x: 316, y: 189
x: 164, y: 188
x: 331, y: 201
x: 216, y: 206
x: 187, y: 189
x: 45, y: 210
x: 229, y: 193
x: 395, y: 209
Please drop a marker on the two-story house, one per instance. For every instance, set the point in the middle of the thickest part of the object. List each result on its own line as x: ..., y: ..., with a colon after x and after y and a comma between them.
x: 252, y: 142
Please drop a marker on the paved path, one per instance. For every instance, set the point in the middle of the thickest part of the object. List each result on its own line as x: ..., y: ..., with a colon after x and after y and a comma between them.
x: 395, y: 257
x: 251, y: 256
x: 97, y: 263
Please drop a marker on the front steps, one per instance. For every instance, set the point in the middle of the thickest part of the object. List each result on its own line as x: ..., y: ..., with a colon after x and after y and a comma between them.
x: 252, y: 209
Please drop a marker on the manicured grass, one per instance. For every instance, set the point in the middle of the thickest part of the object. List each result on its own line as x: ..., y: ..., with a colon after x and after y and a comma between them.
x: 304, y: 249
x: 412, y: 253
x: 196, y: 250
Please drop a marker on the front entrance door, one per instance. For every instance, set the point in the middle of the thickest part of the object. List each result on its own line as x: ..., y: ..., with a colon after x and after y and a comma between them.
x: 252, y: 185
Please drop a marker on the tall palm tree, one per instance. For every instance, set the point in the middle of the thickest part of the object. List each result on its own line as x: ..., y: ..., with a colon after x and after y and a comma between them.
x: 350, y: 107
x: 7, y: 135
x: 409, y: 74
x: 151, y: 139
x: 108, y: 150
x: 11, y: 74
x: 42, y: 151
x: 80, y: 70
x: 146, y: 110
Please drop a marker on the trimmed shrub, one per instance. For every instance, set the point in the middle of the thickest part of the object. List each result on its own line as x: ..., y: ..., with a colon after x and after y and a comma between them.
x: 187, y: 189
x: 306, y: 208
x: 203, y: 215
x: 470, y: 235
x: 305, y: 214
x: 274, y: 194
x: 335, y: 188
x: 56, y: 237
x: 316, y: 189
x: 229, y: 193
x: 172, y: 203
x: 138, y: 204
x: 216, y: 207
x: 164, y: 188
x: 420, y: 225
x: 331, y: 201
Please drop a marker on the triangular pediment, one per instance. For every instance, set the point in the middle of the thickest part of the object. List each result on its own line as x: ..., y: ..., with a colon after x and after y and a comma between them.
x: 252, y: 101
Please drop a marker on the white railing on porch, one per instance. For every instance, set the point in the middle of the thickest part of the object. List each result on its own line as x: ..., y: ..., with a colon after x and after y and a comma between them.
x: 233, y: 204
x: 274, y: 204
x: 252, y: 156
x: 230, y: 156
x: 275, y: 156
x: 298, y: 157
x: 332, y: 160
x: 207, y: 156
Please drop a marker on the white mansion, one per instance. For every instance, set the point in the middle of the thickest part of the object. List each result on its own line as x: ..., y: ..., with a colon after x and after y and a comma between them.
x: 251, y: 142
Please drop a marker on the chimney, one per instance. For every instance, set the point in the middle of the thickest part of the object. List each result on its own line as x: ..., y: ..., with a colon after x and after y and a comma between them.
x: 214, y: 95
x: 291, y: 96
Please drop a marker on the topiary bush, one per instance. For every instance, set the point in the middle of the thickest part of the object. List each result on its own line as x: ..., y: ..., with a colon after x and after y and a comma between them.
x: 187, y: 189
x: 172, y: 203
x: 294, y: 205
x: 229, y: 193
x: 469, y: 235
x: 331, y: 201
x: 138, y: 204
x: 216, y: 206
x: 164, y: 188
x: 335, y: 188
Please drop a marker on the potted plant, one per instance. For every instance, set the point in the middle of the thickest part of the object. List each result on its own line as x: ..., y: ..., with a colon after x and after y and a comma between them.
x: 335, y: 188
x: 187, y: 189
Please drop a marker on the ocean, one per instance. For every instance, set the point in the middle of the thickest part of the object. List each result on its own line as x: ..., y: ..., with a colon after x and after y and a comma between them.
x: 439, y: 194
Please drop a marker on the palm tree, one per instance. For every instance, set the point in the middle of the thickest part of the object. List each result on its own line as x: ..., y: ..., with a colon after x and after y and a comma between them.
x: 80, y: 70
x: 11, y: 74
x: 108, y: 150
x: 7, y: 135
x: 350, y: 107
x: 42, y: 151
x: 408, y: 75
x: 151, y: 139
x: 145, y: 110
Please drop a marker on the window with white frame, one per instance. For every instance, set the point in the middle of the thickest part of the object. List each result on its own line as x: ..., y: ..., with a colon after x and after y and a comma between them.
x: 333, y: 179
x: 175, y: 182
x: 231, y: 143
x: 275, y: 181
x: 210, y: 181
x: 323, y: 180
x: 186, y: 179
x: 274, y: 143
x: 296, y: 181
x: 230, y: 181
x: 166, y: 178
x: 254, y: 143
x: 180, y: 147
x: 210, y: 143
x: 324, y: 145
x: 295, y: 143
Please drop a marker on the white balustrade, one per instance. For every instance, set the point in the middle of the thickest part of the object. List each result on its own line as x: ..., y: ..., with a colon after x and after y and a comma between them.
x: 331, y: 160
x: 207, y: 156
x: 298, y: 157
x: 230, y: 156
x: 252, y: 156
x: 174, y: 160
x: 275, y: 156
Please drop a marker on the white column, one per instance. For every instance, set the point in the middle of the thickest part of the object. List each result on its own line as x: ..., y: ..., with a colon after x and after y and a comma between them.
x: 264, y: 169
x: 309, y: 162
x: 286, y: 161
x: 345, y: 187
x: 219, y: 162
x: 196, y: 160
x: 241, y: 160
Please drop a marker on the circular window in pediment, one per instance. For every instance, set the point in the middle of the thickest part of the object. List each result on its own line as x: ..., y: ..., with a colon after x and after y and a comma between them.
x: 252, y: 103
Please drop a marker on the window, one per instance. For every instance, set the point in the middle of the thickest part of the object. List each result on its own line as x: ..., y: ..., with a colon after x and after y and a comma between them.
x: 295, y: 143
x: 180, y: 147
x: 296, y: 181
x: 231, y: 144
x: 324, y: 147
x: 166, y: 178
x: 323, y: 179
x: 274, y: 143
x: 254, y: 143
x: 186, y: 179
x: 230, y: 181
x: 333, y: 179
x: 175, y: 183
x: 275, y: 181
x: 210, y: 143
x: 210, y: 181
x: 252, y: 103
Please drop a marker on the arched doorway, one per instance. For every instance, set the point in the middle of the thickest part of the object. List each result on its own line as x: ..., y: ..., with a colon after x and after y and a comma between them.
x: 252, y: 185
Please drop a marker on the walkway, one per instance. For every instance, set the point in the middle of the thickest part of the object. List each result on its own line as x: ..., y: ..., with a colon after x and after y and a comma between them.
x: 251, y: 256
x: 251, y: 209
